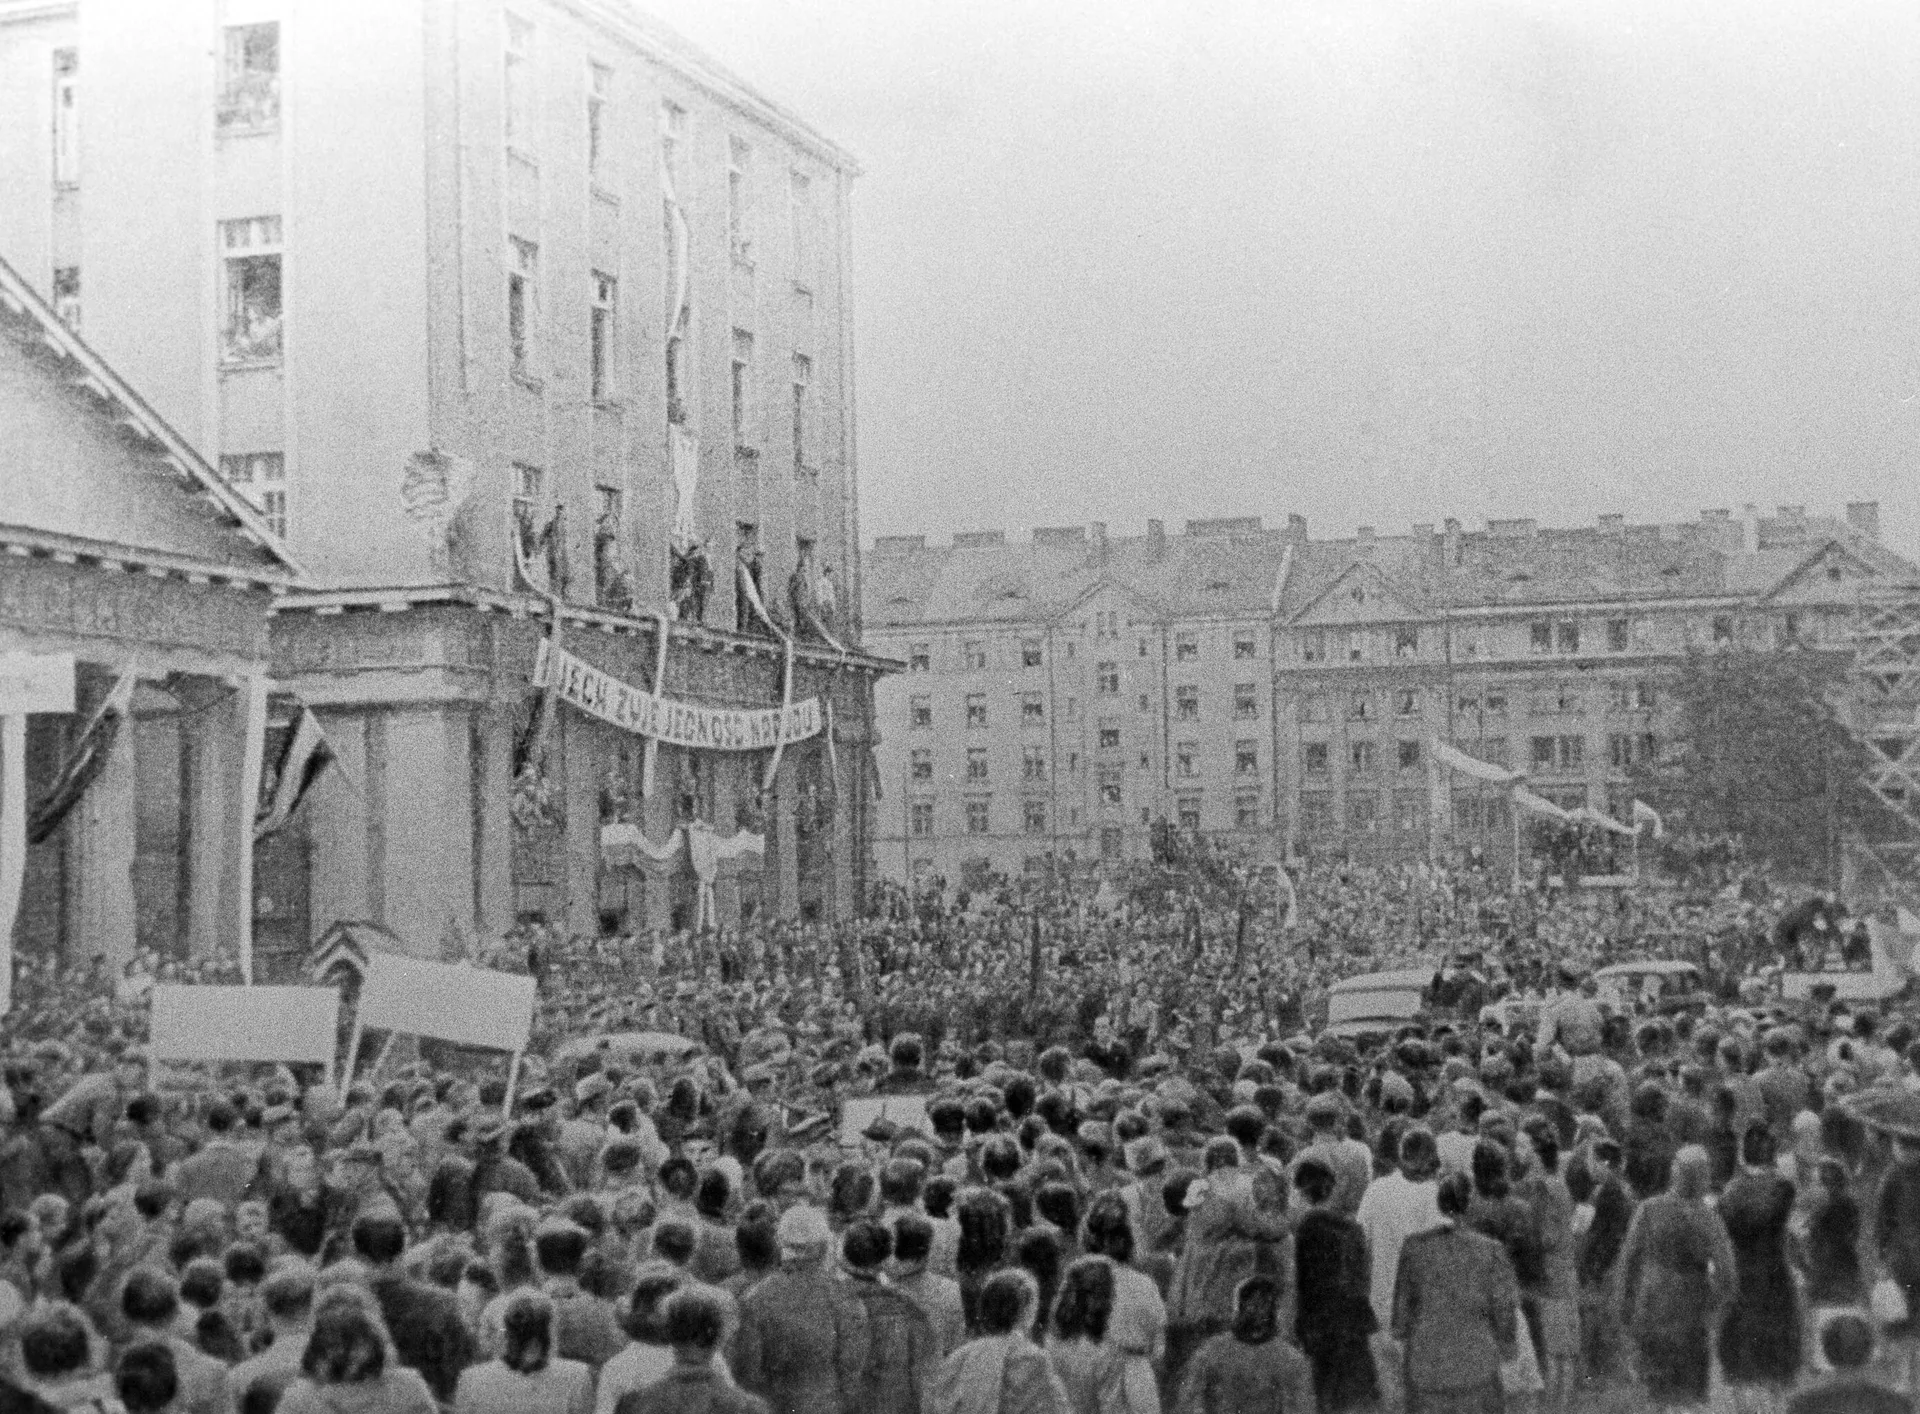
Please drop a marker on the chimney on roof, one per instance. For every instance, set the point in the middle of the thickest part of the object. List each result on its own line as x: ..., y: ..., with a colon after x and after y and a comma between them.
x: 1749, y: 528
x: 1722, y: 515
x: 1864, y: 517
x: 1613, y: 522
x: 1297, y: 529
x: 1098, y: 530
x: 1364, y: 534
x: 1156, y: 540
x: 1451, y: 538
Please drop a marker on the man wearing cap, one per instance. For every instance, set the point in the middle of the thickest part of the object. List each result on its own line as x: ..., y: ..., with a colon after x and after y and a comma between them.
x: 803, y: 1340
x: 584, y: 1133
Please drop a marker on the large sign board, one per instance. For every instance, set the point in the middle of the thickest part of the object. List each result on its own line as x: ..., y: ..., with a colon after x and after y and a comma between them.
x: 35, y: 682
x: 244, y: 1023
x: 469, y: 1006
x: 687, y: 724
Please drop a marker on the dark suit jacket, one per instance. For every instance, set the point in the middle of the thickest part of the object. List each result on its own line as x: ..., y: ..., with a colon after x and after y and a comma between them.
x: 428, y: 1334
x: 1455, y: 1300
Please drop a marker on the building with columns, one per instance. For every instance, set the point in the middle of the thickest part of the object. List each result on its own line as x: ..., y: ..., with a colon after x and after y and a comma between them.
x: 1263, y: 686
x: 124, y: 549
x: 486, y: 307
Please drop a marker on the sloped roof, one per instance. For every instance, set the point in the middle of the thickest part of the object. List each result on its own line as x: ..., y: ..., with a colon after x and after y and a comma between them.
x: 986, y: 579
x: 88, y: 465
x: 1186, y: 576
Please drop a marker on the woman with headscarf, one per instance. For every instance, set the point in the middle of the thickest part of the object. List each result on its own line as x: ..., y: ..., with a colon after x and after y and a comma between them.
x: 1760, y: 1334
x: 1236, y: 1228
x: 1677, y: 1266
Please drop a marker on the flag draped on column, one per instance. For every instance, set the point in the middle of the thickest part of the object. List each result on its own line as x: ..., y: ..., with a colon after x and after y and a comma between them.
x: 84, y: 762
x: 303, y: 760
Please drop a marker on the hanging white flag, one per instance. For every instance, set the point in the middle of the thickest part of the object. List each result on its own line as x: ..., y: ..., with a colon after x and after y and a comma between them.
x: 1524, y: 799
x: 1455, y: 759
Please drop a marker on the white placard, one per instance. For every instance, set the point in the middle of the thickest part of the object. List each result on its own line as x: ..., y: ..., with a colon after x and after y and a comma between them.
x: 244, y: 1023
x: 36, y: 682
x: 901, y: 1111
x: 470, y: 1006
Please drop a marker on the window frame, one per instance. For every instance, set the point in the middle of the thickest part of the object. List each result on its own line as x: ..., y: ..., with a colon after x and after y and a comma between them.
x: 264, y: 242
x: 65, y: 62
x: 603, y: 337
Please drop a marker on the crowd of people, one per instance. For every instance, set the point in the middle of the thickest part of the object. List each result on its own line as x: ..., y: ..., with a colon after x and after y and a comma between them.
x: 1120, y: 1167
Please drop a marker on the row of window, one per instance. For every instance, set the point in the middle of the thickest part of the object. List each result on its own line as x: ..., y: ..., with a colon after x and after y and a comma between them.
x: 976, y: 653
x: 1562, y: 699
x: 1410, y: 812
x: 1033, y: 709
x: 977, y: 817
x: 1187, y: 757
x: 1625, y: 750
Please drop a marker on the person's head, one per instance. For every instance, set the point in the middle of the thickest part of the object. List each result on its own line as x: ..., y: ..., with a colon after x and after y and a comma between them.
x: 937, y: 1196
x: 713, y: 1195
x: 348, y: 1345
x: 805, y: 1236
x: 287, y: 1294
x: 250, y: 1222
x: 1256, y: 1310
x: 149, y: 1298
x: 1692, y: 1173
x: 54, y: 1343
x: 985, y: 1220
x: 560, y: 1247
x: 1419, y: 1154
x: 1059, y: 1204
x: 1007, y: 1301
x: 202, y: 1283
x: 1220, y: 1153
x: 644, y: 1318
x: 900, y: 1181
x: 1757, y: 1146
x: 695, y: 1320
x: 905, y: 1051
x: 1315, y: 1180
x: 912, y: 1240
x: 528, y: 1330
x: 1108, y: 1230
x: 379, y: 1237
x: 1455, y: 1195
x: 678, y: 1178
x: 1490, y: 1169
x: 756, y: 1237
x: 865, y: 1246
x: 674, y: 1241
x: 146, y: 1377
x: 1847, y: 1341
x: 1085, y: 1303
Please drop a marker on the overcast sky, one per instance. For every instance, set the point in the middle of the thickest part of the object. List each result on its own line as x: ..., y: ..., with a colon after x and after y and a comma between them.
x: 1373, y: 261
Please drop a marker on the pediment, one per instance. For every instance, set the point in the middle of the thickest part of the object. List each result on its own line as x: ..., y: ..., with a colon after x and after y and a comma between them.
x: 1360, y: 595
x: 1833, y: 574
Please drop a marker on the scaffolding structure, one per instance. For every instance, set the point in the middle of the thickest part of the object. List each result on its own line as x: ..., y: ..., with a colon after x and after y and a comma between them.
x: 1883, y: 715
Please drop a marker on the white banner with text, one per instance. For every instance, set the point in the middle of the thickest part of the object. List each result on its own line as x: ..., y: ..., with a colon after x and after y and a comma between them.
x: 602, y: 695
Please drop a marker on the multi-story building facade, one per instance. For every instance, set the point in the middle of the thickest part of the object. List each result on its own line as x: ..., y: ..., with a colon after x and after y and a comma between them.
x: 1068, y: 692
x: 480, y: 303
x: 1265, y: 684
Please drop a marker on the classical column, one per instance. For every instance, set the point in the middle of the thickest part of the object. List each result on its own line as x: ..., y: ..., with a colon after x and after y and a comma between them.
x: 656, y: 818
x: 491, y: 729
x: 580, y: 769
x: 336, y: 811
x: 102, y: 828
x: 783, y: 846
x: 426, y: 825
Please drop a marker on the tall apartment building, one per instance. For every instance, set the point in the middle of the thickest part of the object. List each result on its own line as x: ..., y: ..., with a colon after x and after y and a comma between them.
x: 442, y: 285
x: 1239, y: 680
x: 1068, y: 692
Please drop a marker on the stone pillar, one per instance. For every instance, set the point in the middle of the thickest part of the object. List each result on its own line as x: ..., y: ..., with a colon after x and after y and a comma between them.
x: 580, y: 770
x: 336, y: 811
x: 783, y: 847
x: 656, y: 818
x: 249, y: 725
x: 425, y: 864
x: 102, y: 827
x: 844, y: 826
x: 491, y: 728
